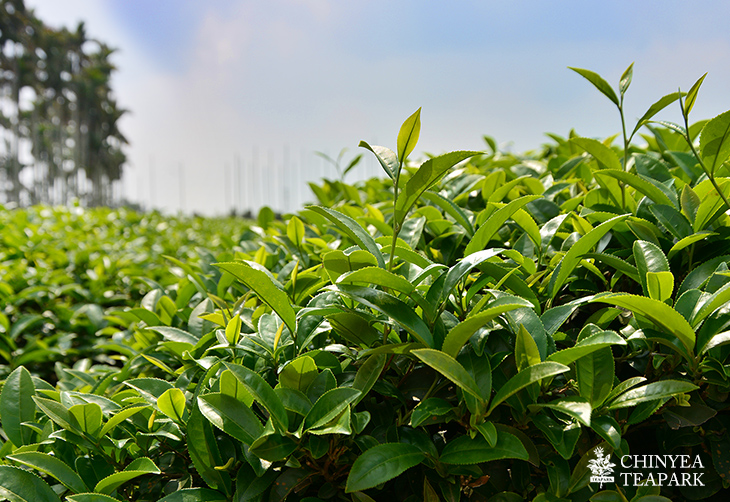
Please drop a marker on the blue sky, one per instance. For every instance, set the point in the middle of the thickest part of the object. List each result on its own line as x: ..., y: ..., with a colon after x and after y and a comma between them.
x: 274, y: 81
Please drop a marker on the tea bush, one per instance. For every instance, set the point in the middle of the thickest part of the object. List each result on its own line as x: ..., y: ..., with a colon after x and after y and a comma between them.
x: 480, y: 326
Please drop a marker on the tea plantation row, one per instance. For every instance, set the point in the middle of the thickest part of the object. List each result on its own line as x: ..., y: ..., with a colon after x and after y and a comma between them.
x: 481, y: 326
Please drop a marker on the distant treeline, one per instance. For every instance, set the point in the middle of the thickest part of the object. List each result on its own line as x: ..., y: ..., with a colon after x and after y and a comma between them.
x: 58, y: 114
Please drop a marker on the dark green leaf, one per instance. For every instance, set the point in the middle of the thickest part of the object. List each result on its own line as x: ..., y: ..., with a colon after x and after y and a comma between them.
x: 382, y: 463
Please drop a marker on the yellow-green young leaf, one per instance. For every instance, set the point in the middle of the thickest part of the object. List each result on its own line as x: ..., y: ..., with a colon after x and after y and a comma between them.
x: 640, y: 184
x: 88, y: 417
x: 586, y: 346
x: 408, y: 135
x: 625, y: 81
x: 490, y: 227
x: 230, y: 386
x: 295, y: 231
x: 526, y: 353
x: 299, y: 373
x: 662, y: 103
x: 233, y: 330
x: 689, y: 240
x: 329, y: 405
x: 711, y: 202
x: 660, y: 285
x: 689, y: 102
x: 386, y: 157
x: 172, y: 404
x: 492, y: 182
x: 379, y: 277
x: 603, y: 154
x: 715, y: 141
x: 382, y: 463
x: 261, y: 284
x: 120, y: 417
x: 337, y: 262
x: 19, y: 485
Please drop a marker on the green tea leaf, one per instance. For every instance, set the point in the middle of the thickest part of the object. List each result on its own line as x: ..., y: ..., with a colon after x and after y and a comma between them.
x: 329, y: 405
x: 299, y: 373
x: 490, y: 227
x: 660, y: 314
x: 273, y: 447
x: 625, y: 81
x: 353, y: 230
x: 138, y: 467
x: 295, y: 230
x: 17, y: 406
x: 261, y: 284
x: 386, y: 157
x: 577, y: 407
x: 528, y: 376
x: 231, y: 416
x: 408, y: 135
x: 689, y: 101
x: 714, y: 142
x: 586, y: 346
x: 598, y: 82
x: 203, y: 451
x: 262, y: 393
x: 172, y: 404
x: 639, y: 183
x: 460, y: 334
x: 650, y: 392
x: 526, y: 353
x: 466, y: 450
x: 382, y: 463
x: 53, y: 467
x: 427, y: 174
x: 18, y: 485
x: 656, y: 108
x: 660, y: 285
x: 194, y: 495
x: 379, y: 277
x: 451, y: 369
x: 573, y: 256
x: 394, y: 308
x: 367, y: 375
x: 603, y: 154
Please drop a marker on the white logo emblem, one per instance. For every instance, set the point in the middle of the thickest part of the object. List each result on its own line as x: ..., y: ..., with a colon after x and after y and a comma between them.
x: 601, y: 468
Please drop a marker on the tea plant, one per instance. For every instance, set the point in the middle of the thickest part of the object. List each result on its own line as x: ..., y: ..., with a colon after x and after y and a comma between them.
x: 474, y: 327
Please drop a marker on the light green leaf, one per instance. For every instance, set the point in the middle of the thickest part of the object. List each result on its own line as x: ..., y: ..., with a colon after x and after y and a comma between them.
x: 233, y: 330
x: 714, y: 142
x: 295, y: 230
x: 595, y: 372
x: 91, y: 497
x: 625, y: 81
x: 172, y: 404
x: 660, y: 314
x: 460, y: 334
x: 649, y: 258
x: 651, y: 392
x: 138, y: 467
x: 386, y: 157
x: 353, y: 230
x: 689, y: 240
x: 598, y: 82
x: 490, y: 227
x: 379, y: 277
x: 451, y: 209
x: 299, y: 373
x: 689, y: 101
x: 427, y: 174
x: 529, y: 375
x: 603, y: 154
x: 382, y: 463
x: 639, y: 183
x: 574, y: 255
x: 408, y: 135
x: 656, y: 108
x: 526, y: 352
x: 261, y: 284
x: 16, y: 406
x: 194, y: 495
x: 329, y: 405
x: 392, y: 307
x: 586, y: 346
x: 120, y: 417
x: 660, y: 285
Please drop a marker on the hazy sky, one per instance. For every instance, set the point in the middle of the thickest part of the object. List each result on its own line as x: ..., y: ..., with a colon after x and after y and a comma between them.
x: 272, y: 81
